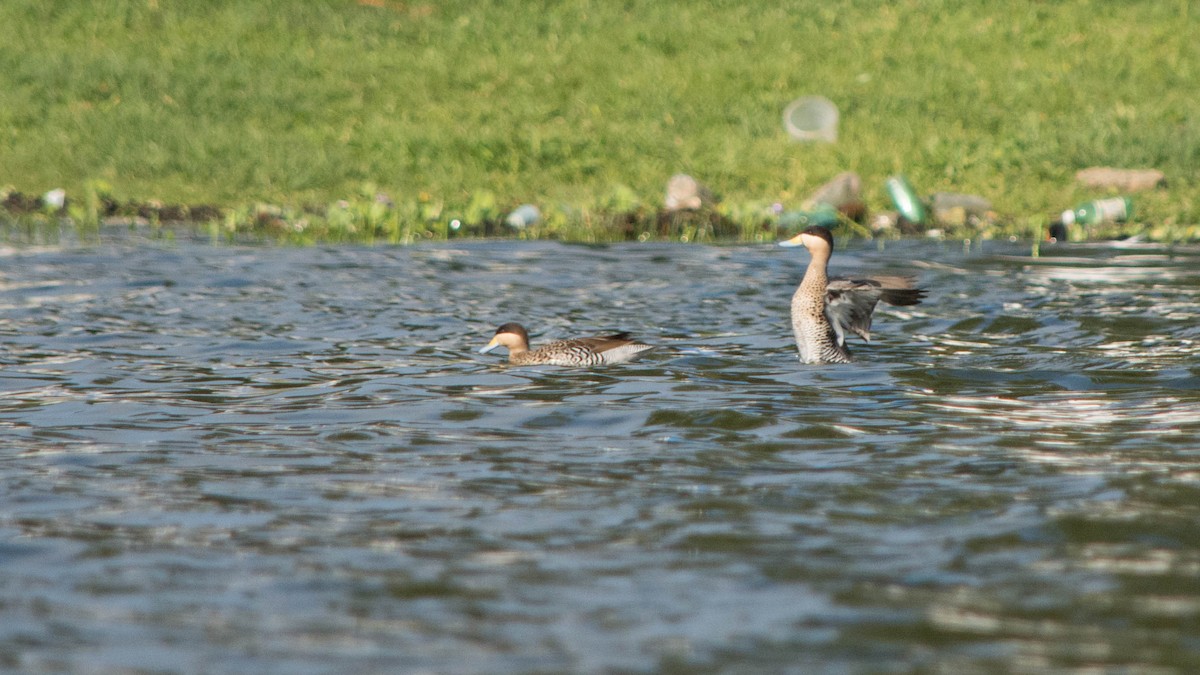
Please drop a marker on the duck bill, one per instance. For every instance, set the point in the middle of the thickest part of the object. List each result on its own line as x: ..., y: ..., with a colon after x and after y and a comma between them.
x: 794, y: 241
x: 490, y: 346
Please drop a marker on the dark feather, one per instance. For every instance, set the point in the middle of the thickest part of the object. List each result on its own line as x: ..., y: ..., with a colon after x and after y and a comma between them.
x: 849, y: 303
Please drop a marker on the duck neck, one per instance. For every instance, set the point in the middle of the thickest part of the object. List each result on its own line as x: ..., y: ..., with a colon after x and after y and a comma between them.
x: 817, y: 273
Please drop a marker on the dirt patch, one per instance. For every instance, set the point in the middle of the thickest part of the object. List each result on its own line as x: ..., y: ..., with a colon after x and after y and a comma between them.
x: 18, y: 203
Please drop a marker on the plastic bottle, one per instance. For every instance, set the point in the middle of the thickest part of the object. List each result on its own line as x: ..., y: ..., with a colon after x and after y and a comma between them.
x: 685, y: 193
x: 905, y: 198
x: 55, y: 199
x: 523, y: 216
x: 1111, y: 210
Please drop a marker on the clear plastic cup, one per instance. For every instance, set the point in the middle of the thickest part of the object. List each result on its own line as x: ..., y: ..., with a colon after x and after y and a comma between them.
x: 811, y: 118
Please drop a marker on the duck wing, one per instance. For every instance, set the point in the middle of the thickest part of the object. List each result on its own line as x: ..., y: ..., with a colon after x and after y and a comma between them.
x: 897, y: 290
x: 612, y: 348
x: 849, y: 303
x: 848, y: 306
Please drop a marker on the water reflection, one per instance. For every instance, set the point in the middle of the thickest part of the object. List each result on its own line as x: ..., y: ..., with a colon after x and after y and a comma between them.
x: 293, y: 460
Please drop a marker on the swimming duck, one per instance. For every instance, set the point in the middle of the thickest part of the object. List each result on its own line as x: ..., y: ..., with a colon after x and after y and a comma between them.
x: 824, y: 308
x: 588, y: 351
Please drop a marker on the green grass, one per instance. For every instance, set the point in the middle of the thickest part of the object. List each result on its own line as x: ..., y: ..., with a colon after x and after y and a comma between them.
x: 587, y: 107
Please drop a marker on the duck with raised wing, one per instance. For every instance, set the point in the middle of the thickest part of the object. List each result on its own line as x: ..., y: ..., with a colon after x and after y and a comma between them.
x: 588, y: 351
x: 825, y: 308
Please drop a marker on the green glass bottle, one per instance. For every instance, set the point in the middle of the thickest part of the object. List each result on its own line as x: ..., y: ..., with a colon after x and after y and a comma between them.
x: 905, y: 198
x: 1111, y: 210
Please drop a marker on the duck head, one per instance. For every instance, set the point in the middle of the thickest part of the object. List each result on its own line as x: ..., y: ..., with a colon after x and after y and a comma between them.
x: 815, y: 238
x: 511, y: 336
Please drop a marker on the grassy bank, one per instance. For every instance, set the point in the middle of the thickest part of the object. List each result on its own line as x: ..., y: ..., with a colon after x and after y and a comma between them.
x: 466, y: 109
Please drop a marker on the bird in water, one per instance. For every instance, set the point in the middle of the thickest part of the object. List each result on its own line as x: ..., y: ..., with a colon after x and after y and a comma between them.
x: 825, y: 308
x: 586, y: 351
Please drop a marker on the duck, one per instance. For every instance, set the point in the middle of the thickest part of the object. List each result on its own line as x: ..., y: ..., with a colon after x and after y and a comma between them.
x: 585, y: 351
x: 825, y: 309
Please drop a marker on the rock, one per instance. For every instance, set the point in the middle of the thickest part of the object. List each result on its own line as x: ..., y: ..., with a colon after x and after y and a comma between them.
x: 956, y: 210
x: 856, y: 211
x: 1121, y: 180
x: 844, y: 189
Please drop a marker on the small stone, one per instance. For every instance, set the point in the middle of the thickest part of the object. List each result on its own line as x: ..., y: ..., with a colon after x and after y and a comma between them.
x: 884, y: 222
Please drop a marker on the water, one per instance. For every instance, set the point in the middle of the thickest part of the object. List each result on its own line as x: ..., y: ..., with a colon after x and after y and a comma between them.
x: 276, y: 460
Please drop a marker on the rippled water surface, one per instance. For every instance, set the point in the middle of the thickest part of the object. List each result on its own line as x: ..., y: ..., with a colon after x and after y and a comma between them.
x: 283, y: 460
